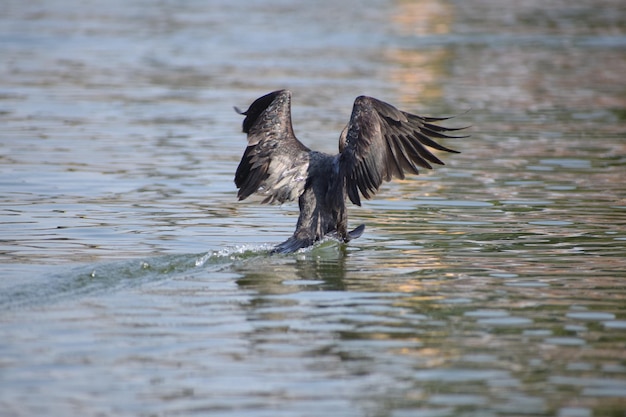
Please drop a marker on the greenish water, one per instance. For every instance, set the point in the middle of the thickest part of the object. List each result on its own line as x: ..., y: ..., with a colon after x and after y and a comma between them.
x: 133, y: 283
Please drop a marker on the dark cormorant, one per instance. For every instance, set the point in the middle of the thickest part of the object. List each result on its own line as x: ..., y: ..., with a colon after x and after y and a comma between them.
x: 379, y: 143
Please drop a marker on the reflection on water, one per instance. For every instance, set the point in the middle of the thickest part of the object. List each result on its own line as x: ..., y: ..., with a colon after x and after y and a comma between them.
x: 133, y: 283
x: 417, y: 71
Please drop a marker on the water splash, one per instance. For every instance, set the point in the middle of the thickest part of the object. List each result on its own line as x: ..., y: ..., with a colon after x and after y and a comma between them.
x: 112, y: 276
x: 232, y: 253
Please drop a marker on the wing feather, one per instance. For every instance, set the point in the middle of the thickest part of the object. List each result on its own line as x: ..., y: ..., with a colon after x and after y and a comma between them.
x: 275, y: 162
x: 381, y: 142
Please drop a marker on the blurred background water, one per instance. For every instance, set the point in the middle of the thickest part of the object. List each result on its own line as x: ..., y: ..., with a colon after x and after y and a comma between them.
x: 133, y: 283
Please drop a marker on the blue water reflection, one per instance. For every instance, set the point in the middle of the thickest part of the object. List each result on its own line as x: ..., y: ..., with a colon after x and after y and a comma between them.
x: 133, y: 283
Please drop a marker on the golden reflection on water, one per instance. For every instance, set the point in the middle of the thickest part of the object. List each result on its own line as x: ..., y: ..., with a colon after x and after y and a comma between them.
x: 423, y: 17
x: 418, y: 70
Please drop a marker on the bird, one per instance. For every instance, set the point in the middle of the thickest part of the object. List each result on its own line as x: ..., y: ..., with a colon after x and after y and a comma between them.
x: 379, y: 143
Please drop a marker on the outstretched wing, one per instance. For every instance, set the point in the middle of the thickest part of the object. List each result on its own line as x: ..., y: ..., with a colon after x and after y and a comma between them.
x: 381, y: 142
x: 275, y: 163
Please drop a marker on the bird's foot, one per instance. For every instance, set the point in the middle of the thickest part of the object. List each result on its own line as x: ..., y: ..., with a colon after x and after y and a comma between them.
x: 347, y: 237
x: 357, y: 232
x: 291, y: 245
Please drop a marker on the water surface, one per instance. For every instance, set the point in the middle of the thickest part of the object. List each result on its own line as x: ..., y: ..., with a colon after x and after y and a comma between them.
x: 133, y: 283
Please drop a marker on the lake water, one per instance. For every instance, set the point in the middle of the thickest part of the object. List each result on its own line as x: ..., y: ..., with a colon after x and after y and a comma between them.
x: 133, y: 283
